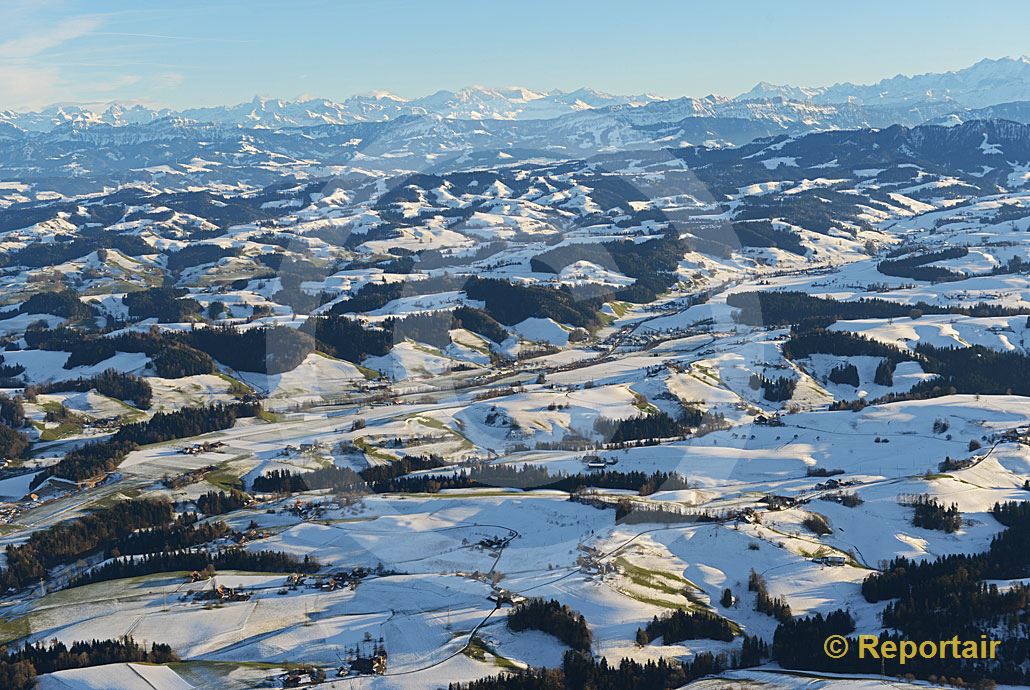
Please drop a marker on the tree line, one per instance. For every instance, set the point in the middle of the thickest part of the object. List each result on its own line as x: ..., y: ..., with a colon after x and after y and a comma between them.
x: 20, y: 665
x: 12, y: 412
x: 343, y: 479
x: 98, y: 457
x: 553, y: 618
x: 111, y: 382
x: 845, y: 374
x: 510, y: 303
x: 433, y: 328
x: 219, y: 502
x: 774, y: 308
x: 774, y: 390
x: 632, y: 513
x: 172, y: 358
x: 805, y: 342
x: 182, y: 533
x: 199, y: 560
x: 167, y: 304
x: 774, y: 607
x: 976, y: 369
x: 139, y: 537
x: 382, y: 479
x: 652, y: 264
x: 9, y: 373
x: 13, y: 443
x: 66, y: 542
x: 272, y: 350
x: 915, y: 266
x: 929, y: 513
x: 686, y: 625
x: 65, y: 303
x: 645, y: 426
x: 970, y: 370
x: 579, y: 670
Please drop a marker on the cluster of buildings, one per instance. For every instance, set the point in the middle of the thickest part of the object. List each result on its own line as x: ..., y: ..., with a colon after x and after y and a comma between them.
x: 198, y: 448
x: 223, y: 594
x: 596, y: 462
x: 836, y: 561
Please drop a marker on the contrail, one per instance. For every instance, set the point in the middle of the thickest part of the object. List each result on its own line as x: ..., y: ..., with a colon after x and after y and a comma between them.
x: 172, y: 38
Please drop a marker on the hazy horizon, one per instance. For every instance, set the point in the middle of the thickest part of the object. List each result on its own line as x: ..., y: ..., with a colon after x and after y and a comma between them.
x: 197, y: 55
x: 459, y: 88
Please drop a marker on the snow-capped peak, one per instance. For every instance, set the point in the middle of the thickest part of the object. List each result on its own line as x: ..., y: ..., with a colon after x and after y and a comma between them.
x: 987, y: 82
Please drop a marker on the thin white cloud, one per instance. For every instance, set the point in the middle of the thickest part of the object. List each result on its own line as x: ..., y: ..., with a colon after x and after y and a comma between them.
x: 23, y: 86
x: 26, y: 81
x: 168, y: 80
x: 119, y: 82
x: 33, y: 44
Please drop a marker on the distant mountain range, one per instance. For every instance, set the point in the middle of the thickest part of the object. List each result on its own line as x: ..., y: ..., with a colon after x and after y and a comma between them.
x: 473, y: 103
x: 898, y: 100
x: 257, y: 143
x: 986, y: 83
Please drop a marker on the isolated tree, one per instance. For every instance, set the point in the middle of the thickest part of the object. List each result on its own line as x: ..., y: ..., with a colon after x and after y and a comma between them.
x: 727, y: 598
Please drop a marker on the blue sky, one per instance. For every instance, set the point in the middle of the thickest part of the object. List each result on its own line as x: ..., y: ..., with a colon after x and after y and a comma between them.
x: 183, y: 53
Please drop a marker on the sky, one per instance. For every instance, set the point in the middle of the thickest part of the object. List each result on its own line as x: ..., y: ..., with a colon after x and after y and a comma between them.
x: 184, y: 53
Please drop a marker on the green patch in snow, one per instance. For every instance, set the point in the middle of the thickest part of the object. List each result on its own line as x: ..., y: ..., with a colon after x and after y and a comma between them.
x: 270, y: 417
x: 430, y: 422
x: 121, y: 495
x: 237, y: 388
x: 659, y: 581
x: 640, y: 402
x: 14, y: 629
x: 225, y: 477
x: 366, y: 372
x: 706, y: 372
x: 62, y: 430
x: 132, y: 414
x: 479, y: 650
x: 429, y: 350
x: 620, y: 308
x: 371, y: 451
x: 52, y: 406
x: 370, y: 374
x: 466, y: 444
